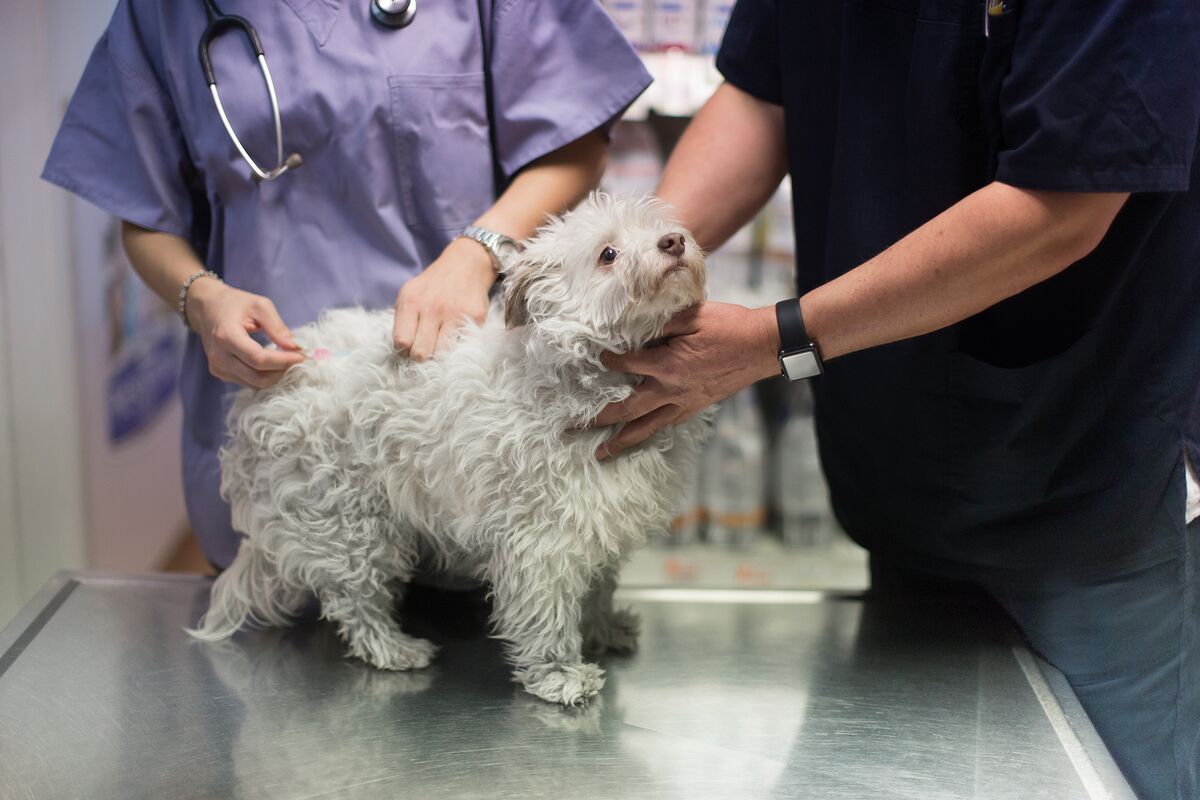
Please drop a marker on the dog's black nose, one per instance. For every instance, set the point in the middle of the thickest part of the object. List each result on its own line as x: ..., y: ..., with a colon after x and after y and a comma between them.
x: 672, y: 243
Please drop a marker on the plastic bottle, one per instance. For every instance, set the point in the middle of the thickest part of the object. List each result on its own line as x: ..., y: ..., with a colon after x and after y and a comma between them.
x: 714, y: 18
x: 688, y: 526
x: 735, y: 488
x: 804, y: 515
x: 675, y: 25
x: 632, y: 19
x: 778, y: 275
x: 634, y: 162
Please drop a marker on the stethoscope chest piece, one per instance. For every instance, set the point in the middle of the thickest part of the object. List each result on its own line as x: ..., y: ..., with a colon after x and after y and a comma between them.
x: 393, y: 13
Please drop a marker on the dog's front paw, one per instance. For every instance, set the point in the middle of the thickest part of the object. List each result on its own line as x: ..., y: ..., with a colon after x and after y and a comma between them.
x: 568, y: 684
x: 397, y: 651
x: 617, y: 633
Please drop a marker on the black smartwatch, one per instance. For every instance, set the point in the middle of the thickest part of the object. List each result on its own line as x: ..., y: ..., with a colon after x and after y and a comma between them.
x: 799, y: 357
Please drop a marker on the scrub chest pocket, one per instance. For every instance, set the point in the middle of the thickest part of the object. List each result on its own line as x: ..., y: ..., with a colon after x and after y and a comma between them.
x: 441, y: 140
x: 1015, y: 437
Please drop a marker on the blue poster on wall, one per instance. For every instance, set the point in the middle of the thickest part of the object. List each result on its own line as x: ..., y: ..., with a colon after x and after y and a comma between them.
x: 145, y: 343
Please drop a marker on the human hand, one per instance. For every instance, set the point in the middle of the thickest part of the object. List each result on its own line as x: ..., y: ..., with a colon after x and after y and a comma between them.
x: 713, y: 350
x: 224, y: 318
x: 431, y: 306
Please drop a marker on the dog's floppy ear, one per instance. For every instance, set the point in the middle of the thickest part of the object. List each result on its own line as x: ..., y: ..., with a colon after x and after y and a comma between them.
x: 537, y: 261
x: 516, y: 290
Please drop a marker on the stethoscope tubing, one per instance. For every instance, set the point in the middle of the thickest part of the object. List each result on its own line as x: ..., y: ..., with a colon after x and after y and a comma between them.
x: 219, y: 23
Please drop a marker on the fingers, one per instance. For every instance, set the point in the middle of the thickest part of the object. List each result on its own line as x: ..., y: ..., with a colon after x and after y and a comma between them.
x: 404, y: 328
x: 237, y: 343
x: 265, y: 314
x: 426, y: 337
x: 636, y: 362
x: 446, y: 335
x: 228, y: 368
x: 419, y: 332
x: 638, y: 431
x: 648, y: 397
x: 683, y: 323
x: 651, y: 361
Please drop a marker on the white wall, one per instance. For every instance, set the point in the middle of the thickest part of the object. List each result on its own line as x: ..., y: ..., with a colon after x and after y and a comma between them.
x: 42, y: 507
x: 133, y: 493
x: 11, y: 586
x: 67, y: 497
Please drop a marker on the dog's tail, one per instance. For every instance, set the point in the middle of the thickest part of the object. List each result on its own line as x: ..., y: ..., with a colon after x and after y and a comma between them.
x: 250, y: 591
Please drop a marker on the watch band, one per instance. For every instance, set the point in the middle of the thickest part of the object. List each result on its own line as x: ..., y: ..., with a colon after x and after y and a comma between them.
x: 799, y: 356
x: 500, y: 246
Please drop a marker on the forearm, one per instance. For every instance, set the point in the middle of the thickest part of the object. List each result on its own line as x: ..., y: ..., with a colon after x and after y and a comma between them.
x: 985, y: 248
x: 991, y: 245
x: 549, y: 185
x: 162, y: 260
x: 728, y: 163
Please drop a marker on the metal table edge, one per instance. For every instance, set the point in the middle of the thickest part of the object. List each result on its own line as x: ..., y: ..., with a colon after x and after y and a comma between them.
x: 1090, y: 757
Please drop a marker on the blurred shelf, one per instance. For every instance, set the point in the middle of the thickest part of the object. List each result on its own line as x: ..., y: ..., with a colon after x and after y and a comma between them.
x: 766, y: 563
x: 682, y: 83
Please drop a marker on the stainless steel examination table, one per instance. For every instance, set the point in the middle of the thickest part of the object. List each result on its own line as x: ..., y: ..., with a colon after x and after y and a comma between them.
x: 737, y: 694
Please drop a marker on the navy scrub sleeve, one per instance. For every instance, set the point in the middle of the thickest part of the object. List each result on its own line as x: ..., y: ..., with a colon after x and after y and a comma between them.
x: 749, y: 54
x: 1100, y: 95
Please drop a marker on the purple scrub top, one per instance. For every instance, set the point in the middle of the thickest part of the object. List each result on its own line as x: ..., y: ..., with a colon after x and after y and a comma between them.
x: 392, y: 126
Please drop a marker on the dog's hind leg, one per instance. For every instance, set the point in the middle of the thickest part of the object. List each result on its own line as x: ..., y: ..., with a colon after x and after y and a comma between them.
x: 537, y: 608
x: 606, y: 628
x: 355, y: 596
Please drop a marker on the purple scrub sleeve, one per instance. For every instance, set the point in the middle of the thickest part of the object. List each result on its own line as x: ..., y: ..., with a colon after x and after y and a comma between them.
x: 560, y: 69
x: 1101, y: 95
x: 120, y: 145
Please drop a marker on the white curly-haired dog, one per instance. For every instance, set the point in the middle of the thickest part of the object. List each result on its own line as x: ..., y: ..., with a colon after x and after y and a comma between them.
x: 360, y: 464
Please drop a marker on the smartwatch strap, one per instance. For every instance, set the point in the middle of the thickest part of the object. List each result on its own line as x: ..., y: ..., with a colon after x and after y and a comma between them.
x: 799, y: 356
x: 792, y: 335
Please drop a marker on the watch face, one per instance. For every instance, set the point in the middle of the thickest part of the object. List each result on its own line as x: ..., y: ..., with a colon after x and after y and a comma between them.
x: 800, y: 364
x: 506, y: 251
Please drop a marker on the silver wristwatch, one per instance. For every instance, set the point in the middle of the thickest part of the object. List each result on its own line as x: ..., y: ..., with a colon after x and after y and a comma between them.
x: 502, y: 248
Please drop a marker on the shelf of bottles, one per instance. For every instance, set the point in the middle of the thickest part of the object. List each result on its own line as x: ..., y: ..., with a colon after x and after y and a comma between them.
x: 761, y: 493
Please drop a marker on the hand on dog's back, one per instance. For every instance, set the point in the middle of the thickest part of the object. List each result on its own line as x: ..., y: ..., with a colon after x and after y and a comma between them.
x: 431, y: 306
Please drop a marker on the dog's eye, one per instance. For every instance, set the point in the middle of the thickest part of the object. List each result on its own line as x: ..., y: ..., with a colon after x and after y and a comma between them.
x: 608, y: 255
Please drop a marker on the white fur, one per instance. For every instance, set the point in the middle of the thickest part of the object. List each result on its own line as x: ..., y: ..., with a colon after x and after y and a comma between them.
x: 357, y: 467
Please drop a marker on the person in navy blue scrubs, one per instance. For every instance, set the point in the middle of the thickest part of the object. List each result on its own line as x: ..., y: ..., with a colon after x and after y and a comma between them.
x: 997, y: 217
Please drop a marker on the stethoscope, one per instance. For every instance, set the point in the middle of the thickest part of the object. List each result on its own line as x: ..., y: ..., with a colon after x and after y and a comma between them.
x: 389, y: 13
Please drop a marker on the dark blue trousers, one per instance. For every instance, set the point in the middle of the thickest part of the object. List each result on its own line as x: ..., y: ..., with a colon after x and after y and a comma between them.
x: 1130, y: 647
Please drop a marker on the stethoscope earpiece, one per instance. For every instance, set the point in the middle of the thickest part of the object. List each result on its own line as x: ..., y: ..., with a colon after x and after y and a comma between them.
x: 393, y: 13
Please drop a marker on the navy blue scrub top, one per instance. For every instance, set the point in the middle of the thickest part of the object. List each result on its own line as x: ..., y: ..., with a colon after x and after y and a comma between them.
x: 1045, y: 435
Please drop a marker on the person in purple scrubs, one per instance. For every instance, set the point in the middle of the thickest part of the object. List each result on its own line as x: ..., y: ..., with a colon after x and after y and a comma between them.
x: 393, y: 129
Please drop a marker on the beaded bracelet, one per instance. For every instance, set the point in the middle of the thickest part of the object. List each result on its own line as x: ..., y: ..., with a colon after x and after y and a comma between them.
x: 183, y: 292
